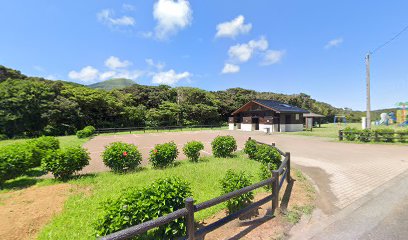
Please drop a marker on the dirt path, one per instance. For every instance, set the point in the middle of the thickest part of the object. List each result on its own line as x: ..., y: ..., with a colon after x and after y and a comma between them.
x: 23, y: 213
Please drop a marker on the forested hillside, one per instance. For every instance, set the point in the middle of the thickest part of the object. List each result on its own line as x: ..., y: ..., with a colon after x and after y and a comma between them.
x: 116, y: 83
x: 32, y: 106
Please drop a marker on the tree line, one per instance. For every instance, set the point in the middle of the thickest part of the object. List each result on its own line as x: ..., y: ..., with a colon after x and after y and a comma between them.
x: 31, y: 106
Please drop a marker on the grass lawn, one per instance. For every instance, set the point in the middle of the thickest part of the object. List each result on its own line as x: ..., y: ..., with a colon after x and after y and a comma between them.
x: 65, y: 141
x: 81, y: 209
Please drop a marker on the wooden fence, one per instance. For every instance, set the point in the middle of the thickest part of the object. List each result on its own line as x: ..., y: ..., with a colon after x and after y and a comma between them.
x: 373, y: 136
x: 158, y: 128
x: 276, y: 181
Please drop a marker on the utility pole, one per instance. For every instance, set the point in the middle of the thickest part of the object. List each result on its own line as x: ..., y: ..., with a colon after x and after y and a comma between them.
x: 368, y: 119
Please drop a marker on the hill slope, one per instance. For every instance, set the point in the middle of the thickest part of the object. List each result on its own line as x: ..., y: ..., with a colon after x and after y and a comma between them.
x: 115, y: 83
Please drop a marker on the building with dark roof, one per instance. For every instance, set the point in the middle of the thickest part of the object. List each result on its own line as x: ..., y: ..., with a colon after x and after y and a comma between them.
x: 267, y: 116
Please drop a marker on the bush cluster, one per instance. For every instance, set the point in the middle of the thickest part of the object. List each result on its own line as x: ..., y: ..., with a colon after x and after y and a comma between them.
x: 250, y: 148
x: 15, y: 160
x: 136, y: 206
x: 223, y: 146
x: 233, y: 181
x: 88, y: 131
x: 192, y: 150
x: 121, y: 157
x: 163, y: 155
x: 375, y: 135
x: 268, y: 155
x: 64, y: 163
x: 39, y: 148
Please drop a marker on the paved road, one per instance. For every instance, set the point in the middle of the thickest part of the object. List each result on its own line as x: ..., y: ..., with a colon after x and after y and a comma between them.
x: 347, y: 175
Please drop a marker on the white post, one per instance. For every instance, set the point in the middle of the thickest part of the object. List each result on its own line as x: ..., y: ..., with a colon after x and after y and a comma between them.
x: 363, y: 123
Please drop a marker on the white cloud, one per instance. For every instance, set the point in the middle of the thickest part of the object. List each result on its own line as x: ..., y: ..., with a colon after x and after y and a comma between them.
x: 86, y: 74
x: 106, y: 16
x: 334, y: 43
x: 230, y: 68
x: 158, y: 65
x: 273, y: 56
x: 128, y: 7
x: 107, y: 75
x: 233, y: 28
x: 171, y: 16
x: 170, y: 77
x: 243, y: 52
x: 114, y: 62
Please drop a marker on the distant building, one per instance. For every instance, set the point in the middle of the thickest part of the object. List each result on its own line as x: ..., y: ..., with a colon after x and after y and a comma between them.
x: 267, y: 116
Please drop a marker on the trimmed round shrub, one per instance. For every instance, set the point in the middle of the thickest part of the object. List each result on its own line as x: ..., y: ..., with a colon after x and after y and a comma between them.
x: 268, y: 155
x: 121, y: 157
x: 39, y: 148
x: 250, y: 148
x: 88, y: 131
x: 64, y: 163
x: 15, y: 160
x: 136, y: 206
x: 350, y: 134
x: 223, y: 146
x: 192, y: 150
x: 163, y: 155
x: 233, y: 181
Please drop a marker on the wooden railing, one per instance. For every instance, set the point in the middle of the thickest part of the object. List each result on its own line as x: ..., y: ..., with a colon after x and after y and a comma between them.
x: 158, y: 128
x: 276, y: 181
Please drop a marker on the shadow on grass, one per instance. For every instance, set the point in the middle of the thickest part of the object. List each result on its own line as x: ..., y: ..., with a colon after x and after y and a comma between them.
x: 20, y: 183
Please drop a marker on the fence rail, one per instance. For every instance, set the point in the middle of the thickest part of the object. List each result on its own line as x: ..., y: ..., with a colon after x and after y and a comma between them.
x: 276, y: 181
x: 373, y: 136
x: 158, y: 128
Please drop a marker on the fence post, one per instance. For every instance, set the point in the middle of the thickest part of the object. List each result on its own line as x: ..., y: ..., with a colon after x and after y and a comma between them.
x: 275, y: 191
x: 190, y: 218
x: 340, y: 135
x: 288, y: 177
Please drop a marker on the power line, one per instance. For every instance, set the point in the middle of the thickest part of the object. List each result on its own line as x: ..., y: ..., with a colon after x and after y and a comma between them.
x: 392, y: 39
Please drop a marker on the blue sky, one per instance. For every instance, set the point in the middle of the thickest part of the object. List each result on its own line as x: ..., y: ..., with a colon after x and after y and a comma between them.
x: 315, y: 47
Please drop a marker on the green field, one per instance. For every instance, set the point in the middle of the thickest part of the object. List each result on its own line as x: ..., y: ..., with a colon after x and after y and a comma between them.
x: 186, y: 129
x: 82, y: 209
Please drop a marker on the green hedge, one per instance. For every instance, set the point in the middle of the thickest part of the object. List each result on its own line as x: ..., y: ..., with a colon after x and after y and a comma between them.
x: 15, y: 160
x: 376, y: 135
x: 64, y: 163
x: 136, y: 206
x: 88, y: 131
x: 121, y: 157
x: 163, y: 155
x: 223, y: 146
x: 192, y: 150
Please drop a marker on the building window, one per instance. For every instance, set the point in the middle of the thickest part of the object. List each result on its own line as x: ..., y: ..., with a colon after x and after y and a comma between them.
x: 297, y: 116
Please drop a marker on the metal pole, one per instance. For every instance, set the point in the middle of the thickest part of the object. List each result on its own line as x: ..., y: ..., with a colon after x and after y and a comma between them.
x: 190, y: 218
x: 368, y: 123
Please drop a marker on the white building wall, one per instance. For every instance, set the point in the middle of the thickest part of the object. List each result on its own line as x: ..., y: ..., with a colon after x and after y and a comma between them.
x: 262, y: 127
x: 247, y: 127
x: 231, y: 126
x: 292, y: 127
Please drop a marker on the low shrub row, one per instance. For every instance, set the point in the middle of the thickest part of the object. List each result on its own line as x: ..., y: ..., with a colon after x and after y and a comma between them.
x: 16, y: 159
x: 265, y: 154
x: 123, y: 157
x: 88, y: 131
x: 376, y: 135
